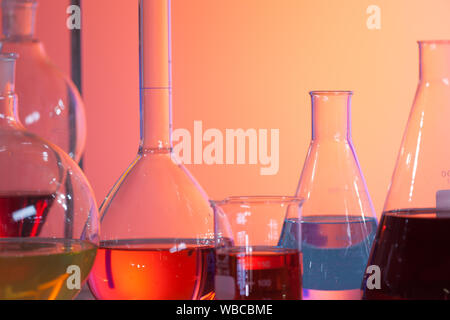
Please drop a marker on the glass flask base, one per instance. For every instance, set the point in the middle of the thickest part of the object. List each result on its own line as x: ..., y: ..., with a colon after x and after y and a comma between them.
x: 258, y: 273
x: 153, y: 269
x: 36, y: 268
x: 332, y: 295
x: 411, y: 251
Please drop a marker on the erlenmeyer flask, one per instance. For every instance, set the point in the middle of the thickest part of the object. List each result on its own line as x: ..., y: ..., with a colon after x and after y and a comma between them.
x: 338, y: 220
x: 411, y: 248
x: 50, y: 104
x: 157, y: 238
x: 48, y: 227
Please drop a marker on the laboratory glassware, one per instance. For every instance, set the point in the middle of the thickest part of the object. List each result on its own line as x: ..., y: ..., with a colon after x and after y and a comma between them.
x: 50, y: 104
x: 250, y: 262
x: 157, y: 239
x: 338, y: 220
x: 411, y: 249
x: 48, y: 227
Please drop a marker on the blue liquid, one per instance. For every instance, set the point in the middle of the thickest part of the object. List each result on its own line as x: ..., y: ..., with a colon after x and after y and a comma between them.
x: 335, y: 250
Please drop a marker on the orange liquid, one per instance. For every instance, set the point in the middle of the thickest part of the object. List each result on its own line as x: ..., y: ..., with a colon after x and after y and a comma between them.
x: 153, y: 270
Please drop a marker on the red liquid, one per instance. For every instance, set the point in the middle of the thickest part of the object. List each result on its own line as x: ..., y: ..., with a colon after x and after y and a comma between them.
x: 153, y: 270
x: 412, y: 249
x: 267, y: 273
x: 15, y: 224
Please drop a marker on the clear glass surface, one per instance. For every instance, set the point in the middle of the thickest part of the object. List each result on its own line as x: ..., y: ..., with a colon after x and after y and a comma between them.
x: 253, y: 260
x: 50, y: 104
x: 48, y: 215
x: 411, y: 246
x: 338, y: 220
x: 157, y: 225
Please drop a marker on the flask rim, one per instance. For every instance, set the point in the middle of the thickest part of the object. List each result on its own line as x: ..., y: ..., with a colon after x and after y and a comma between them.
x: 257, y: 200
x: 9, y: 56
x: 17, y: 3
x: 330, y: 92
x: 438, y: 41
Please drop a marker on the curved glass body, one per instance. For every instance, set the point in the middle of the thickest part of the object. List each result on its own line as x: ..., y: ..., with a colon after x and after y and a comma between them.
x: 50, y: 104
x: 338, y: 220
x: 48, y: 215
x: 411, y: 248
x: 157, y: 225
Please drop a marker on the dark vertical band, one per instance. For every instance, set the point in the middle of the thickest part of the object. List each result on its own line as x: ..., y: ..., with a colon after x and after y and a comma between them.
x: 76, y: 72
x: 75, y: 66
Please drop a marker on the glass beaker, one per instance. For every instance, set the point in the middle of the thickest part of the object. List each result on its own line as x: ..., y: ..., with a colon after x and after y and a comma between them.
x: 411, y: 248
x: 50, y: 104
x: 250, y: 262
x: 157, y: 239
x: 338, y: 220
x: 48, y: 227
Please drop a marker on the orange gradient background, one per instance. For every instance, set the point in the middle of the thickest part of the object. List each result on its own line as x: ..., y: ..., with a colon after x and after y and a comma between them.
x: 250, y: 64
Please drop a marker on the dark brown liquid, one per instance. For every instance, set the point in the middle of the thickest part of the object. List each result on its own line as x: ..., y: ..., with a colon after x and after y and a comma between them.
x: 267, y: 273
x: 412, y: 249
x: 22, y: 215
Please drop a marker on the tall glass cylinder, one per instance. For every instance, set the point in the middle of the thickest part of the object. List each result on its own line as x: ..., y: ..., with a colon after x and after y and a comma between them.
x: 338, y: 220
x: 157, y: 226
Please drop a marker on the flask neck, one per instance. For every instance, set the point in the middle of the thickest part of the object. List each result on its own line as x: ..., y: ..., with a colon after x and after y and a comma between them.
x: 331, y: 115
x: 19, y: 19
x: 27, y: 50
x: 155, y: 75
x: 8, y: 112
x: 434, y: 61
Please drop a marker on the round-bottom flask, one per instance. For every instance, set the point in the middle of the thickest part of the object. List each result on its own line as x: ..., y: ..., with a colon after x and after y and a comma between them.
x: 157, y: 238
x: 48, y: 215
x: 50, y: 104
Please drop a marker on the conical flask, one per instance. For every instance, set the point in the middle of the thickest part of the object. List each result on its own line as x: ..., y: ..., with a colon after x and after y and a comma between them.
x: 411, y: 249
x: 50, y: 104
x: 48, y: 227
x: 338, y: 220
x: 157, y: 238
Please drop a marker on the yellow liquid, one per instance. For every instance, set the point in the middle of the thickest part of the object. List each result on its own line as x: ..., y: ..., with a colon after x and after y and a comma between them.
x: 36, y: 268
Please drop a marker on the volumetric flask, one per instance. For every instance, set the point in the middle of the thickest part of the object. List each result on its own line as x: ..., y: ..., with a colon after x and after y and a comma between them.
x: 50, y: 104
x: 250, y: 262
x: 157, y: 239
x: 410, y: 258
x: 48, y: 214
x: 338, y: 220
